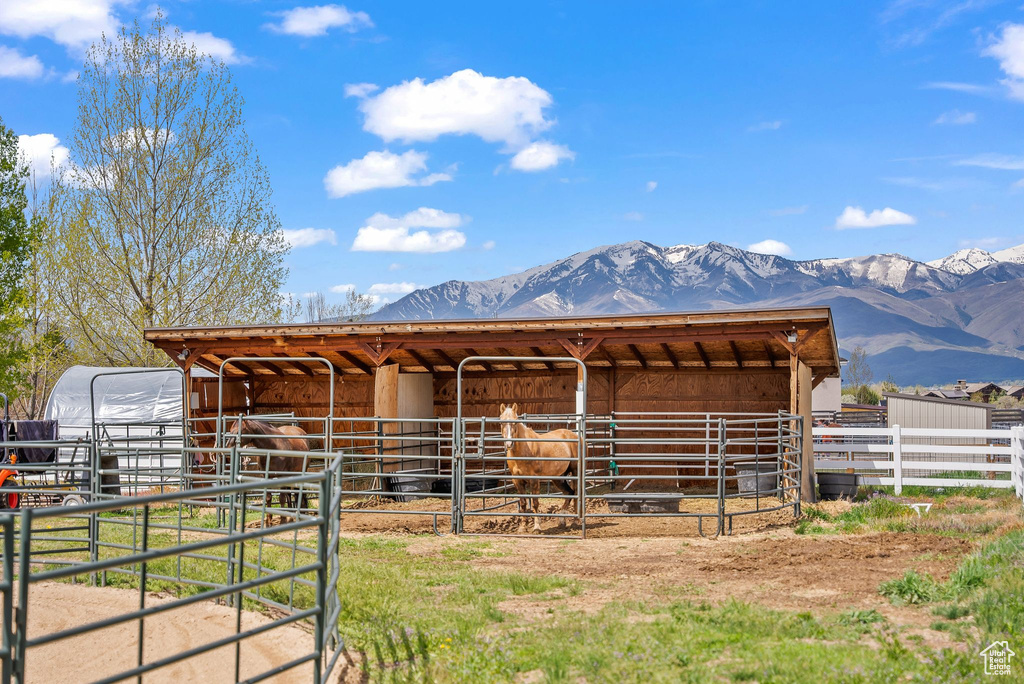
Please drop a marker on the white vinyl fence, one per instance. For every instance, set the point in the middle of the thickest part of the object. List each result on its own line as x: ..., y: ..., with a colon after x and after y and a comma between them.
x: 929, y: 457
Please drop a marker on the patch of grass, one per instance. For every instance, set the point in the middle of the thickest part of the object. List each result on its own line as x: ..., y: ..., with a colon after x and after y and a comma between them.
x: 860, y: 617
x: 912, y: 588
x: 951, y: 611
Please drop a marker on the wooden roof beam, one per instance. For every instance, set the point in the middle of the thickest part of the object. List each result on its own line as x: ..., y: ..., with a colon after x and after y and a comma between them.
x: 356, y: 363
x: 272, y: 367
x: 515, y: 364
x: 299, y: 366
x: 703, y: 354
x: 671, y: 355
x: 537, y: 352
x: 420, y: 359
x: 487, y: 366
x: 637, y: 355
x: 449, y: 361
x: 736, y: 354
x: 768, y: 353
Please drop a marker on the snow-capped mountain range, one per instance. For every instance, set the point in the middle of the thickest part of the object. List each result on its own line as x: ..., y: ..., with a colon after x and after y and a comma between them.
x: 957, y: 317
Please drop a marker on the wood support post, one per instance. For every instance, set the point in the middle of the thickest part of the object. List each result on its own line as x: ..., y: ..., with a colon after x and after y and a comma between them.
x: 385, y: 405
x: 803, y: 378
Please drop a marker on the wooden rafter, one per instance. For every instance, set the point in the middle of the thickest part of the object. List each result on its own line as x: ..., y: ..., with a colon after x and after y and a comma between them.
x: 703, y: 354
x: 486, y: 364
x: 299, y: 366
x: 449, y: 361
x: 670, y: 354
x: 637, y: 355
x: 536, y: 351
x: 736, y: 354
x: 768, y: 353
x: 356, y: 363
x: 420, y: 359
x: 272, y: 367
x: 515, y: 364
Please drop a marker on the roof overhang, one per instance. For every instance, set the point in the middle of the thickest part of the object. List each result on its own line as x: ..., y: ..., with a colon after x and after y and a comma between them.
x: 707, y: 340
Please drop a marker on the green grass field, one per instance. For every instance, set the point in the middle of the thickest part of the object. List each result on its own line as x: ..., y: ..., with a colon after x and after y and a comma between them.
x: 420, y: 609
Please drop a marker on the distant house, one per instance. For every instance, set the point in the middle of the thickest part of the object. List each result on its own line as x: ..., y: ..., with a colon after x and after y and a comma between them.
x: 940, y: 393
x: 985, y: 389
x: 1015, y: 391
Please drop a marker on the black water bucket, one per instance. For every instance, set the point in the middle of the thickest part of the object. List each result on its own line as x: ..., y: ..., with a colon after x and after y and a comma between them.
x: 833, y: 486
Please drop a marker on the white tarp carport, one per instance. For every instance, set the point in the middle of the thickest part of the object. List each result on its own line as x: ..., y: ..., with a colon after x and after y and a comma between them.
x: 154, y: 396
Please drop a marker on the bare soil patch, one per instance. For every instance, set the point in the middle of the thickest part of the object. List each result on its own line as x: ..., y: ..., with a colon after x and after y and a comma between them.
x: 56, y: 606
x: 777, y: 569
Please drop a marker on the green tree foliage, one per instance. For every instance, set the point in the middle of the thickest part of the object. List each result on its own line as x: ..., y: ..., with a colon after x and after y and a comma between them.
x: 164, y: 216
x: 15, y: 250
x: 47, y: 352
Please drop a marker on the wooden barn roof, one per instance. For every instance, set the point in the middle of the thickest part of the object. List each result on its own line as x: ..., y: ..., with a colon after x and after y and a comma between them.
x: 672, y: 341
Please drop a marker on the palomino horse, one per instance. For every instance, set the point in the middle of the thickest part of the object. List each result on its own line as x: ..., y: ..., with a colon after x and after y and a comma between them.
x: 538, y: 459
x: 262, y: 435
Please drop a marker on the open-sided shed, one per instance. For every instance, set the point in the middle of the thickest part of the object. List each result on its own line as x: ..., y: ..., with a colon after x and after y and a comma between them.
x: 740, y: 361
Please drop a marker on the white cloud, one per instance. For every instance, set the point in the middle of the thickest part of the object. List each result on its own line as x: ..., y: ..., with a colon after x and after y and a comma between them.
x: 1009, y: 50
x: 855, y: 217
x: 395, y: 267
x: 74, y: 24
x: 540, y: 155
x: 15, y: 65
x: 789, y: 211
x: 307, y: 237
x: 360, y: 90
x: 987, y: 243
x: 956, y: 117
x: 317, y: 20
x: 770, y: 246
x: 380, y: 170
x: 651, y: 185
x: 218, y: 48
x: 488, y: 245
x: 633, y: 216
x: 765, y: 126
x: 1003, y: 162
x: 970, y: 88
x: 342, y: 289
x: 383, y: 233
x: 38, y: 150
x: 508, y: 110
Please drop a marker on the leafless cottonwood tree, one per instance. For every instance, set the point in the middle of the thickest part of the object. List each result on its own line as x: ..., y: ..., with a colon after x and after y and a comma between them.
x: 165, y: 213
x: 355, y: 307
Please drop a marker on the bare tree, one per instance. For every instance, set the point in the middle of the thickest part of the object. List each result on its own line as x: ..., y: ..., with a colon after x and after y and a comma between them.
x: 355, y: 307
x: 165, y: 211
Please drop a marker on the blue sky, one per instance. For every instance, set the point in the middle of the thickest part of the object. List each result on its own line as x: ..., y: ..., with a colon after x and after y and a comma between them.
x: 469, y: 140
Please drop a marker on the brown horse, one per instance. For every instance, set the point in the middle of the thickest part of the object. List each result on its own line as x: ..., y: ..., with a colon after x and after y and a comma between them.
x: 262, y: 435
x: 555, y: 459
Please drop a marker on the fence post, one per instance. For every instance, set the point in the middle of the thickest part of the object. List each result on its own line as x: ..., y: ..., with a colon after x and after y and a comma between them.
x: 897, y: 460
x: 1017, y: 459
x: 722, y: 446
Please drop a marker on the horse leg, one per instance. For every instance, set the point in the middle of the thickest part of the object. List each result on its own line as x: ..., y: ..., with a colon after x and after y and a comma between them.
x: 267, y: 520
x: 535, y: 490
x: 520, y: 489
x: 565, y: 488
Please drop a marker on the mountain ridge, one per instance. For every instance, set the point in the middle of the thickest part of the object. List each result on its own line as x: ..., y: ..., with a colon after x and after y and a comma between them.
x: 915, y: 319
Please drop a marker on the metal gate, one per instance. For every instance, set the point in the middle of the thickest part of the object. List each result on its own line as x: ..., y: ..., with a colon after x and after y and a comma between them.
x: 481, y: 473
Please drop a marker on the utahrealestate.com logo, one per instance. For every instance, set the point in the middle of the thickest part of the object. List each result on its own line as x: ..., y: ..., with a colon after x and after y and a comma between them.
x: 997, y: 658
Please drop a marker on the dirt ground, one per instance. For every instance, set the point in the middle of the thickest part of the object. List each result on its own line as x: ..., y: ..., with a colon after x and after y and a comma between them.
x: 777, y: 569
x: 54, y: 607
x: 419, y: 517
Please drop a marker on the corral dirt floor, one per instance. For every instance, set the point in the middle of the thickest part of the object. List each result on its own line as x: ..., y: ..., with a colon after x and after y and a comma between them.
x: 777, y: 569
x: 54, y: 607
x: 489, y: 516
